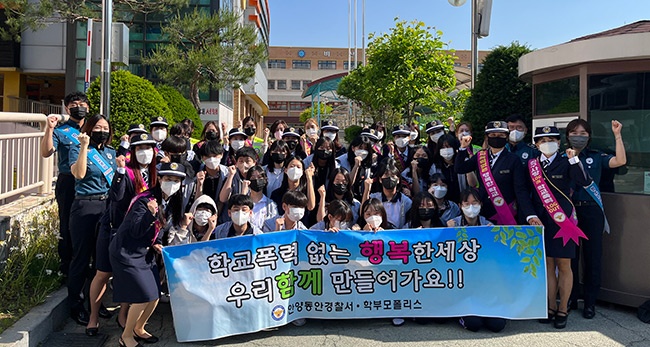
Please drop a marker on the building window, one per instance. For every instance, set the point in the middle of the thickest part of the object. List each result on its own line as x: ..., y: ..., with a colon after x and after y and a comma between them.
x: 301, y: 64
x: 277, y: 64
x: 558, y: 97
x: 305, y: 83
x: 282, y: 84
x: 345, y: 65
x: 626, y: 98
x: 295, y: 85
x: 298, y: 106
x: 277, y: 105
x: 271, y: 84
x: 327, y: 65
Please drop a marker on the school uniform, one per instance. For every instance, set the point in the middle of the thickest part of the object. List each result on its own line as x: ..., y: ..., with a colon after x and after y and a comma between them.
x: 525, y: 151
x: 212, y: 185
x: 263, y: 210
x: 274, y: 178
x: 226, y: 230
x: 461, y: 221
x: 269, y: 225
x: 457, y: 182
x: 449, y: 210
x: 397, y: 208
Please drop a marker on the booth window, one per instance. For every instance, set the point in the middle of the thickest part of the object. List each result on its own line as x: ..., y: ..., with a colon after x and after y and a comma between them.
x: 558, y: 97
x: 626, y: 98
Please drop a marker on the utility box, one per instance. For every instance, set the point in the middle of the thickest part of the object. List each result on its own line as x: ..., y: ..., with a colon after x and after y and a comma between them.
x: 119, y: 44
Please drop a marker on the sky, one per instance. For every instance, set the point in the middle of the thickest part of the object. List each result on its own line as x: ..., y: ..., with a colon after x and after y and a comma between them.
x: 535, y: 23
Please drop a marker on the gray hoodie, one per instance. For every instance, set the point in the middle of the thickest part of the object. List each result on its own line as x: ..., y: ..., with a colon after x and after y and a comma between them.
x: 178, y: 236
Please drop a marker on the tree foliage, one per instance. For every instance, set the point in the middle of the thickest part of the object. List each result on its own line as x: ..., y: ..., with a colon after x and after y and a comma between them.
x: 180, y: 108
x: 499, y: 92
x: 133, y: 100
x: 324, y: 109
x: 207, y: 50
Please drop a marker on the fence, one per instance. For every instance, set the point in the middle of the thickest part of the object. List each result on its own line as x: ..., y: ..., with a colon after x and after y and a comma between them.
x: 32, y: 106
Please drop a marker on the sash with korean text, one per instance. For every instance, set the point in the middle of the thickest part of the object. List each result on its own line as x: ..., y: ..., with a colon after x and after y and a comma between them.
x: 505, y: 213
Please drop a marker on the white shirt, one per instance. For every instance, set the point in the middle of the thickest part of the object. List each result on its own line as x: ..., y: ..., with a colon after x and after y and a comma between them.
x: 263, y: 210
x: 274, y: 177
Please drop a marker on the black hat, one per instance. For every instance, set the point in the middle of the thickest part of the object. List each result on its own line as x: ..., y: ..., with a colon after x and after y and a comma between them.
x: 369, y: 133
x: 158, y: 121
x: 142, y: 139
x: 497, y: 126
x: 434, y: 125
x: 549, y: 131
x: 172, y: 169
x: 236, y: 131
x: 401, y: 129
x: 291, y: 132
x: 136, y: 129
x: 329, y: 125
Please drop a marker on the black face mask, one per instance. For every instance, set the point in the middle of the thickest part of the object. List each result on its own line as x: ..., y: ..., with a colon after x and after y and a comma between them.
x: 324, y: 153
x: 497, y: 142
x: 99, y: 137
x: 389, y: 183
x: 426, y: 213
x: 423, y: 163
x: 258, y: 184
x: 249, y: 131
x: 178, y: 158
x: 340, y: 188
x: 292, y: 144
x: 211, y: 135
x: 78, y: 113
x: 278, y: 157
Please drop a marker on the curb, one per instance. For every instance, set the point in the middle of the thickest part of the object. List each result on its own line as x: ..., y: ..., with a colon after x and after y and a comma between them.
x: 38, y: 323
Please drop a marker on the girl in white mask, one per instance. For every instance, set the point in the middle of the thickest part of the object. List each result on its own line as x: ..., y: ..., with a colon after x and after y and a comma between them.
x: 311, y: 135
x: 197, y: 224
x: 339, y: 217
x: 439, y: 188
x: 374, y: 216
x: 294, y: 205
x: 296, y: 178
x: 471, y: 207
x: 444, y: 163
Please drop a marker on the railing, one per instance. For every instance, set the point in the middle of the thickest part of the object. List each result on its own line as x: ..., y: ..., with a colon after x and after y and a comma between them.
x: 22, y: 169
x: 32, y: 106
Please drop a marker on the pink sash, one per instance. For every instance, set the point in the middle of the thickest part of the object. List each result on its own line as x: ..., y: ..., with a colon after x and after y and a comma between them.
x: 505, y: 212
x: 131, y: 175
x: 568, y: 228
x: 147, y: 194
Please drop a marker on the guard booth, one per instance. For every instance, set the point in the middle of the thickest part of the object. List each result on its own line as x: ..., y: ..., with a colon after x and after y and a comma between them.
x: 598, y: 78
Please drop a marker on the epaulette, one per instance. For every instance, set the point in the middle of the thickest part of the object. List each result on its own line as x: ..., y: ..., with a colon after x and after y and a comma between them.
x: 531, y: 145
x: 109, y: 146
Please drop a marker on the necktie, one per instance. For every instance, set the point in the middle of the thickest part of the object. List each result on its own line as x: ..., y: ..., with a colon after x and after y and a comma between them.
x: 492, y: 159
x: 145, y: 176
x: 545, y: 163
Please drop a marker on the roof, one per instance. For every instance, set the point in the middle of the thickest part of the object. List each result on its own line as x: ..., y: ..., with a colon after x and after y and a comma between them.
x: 642, y: 26
x: 325, y: 84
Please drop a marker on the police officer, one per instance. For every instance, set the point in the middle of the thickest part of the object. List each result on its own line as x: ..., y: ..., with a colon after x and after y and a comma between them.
x: 503, y: 188
x: 93, y: 165
x: 399, y: 149
x: 591, y: 217
x: 158, y: 129
x: 125, y: 141
x: 60, y: 139
x: 518, y: 131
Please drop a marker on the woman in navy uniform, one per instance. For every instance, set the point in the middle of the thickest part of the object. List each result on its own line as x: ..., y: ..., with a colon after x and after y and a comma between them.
x: 93, y: 166
x: 558, y: 172
x: 134, y: 246
x: 591, y: 217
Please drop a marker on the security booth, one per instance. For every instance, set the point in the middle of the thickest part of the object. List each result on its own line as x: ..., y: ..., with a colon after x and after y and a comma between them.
x: 601, y: 77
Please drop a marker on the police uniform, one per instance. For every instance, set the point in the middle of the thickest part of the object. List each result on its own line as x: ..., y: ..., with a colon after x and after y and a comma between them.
x: 134, y: 129
x: 136, y: 278
x: 524, y: 150
x: 591, y: 221
x: 332, y: 126
x: 91, y: 194
x: 64, y: 191
x: 158, y: 122
x: 509, y: 176
x: 402, y: 159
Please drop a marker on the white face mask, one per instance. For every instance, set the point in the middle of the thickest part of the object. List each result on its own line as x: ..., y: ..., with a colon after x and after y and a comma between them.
x: 380, y: 135
x: 402, y: 142
x: 361, y: 153
x: 240, y: 218
x: 439, y: 192
x: 464, y: 133
x: 201, y: 217
x: 311, y: 132
x: 413, y: 135
x: 294, y: 173
x: 516, y: 136
x: 447, y: 153
x: 144, y: 156
x: 374, y: 221
x: 237, y: 144
x: 170, y: 187
x: 340, y: 225
x: 471, y: 211
x: 435, y: 136
x: 159, y: 135
x: 296, y: 213
x: 212, y: 163
x: 549, y: 148
x: 329, y: 135
x: 278, y: 135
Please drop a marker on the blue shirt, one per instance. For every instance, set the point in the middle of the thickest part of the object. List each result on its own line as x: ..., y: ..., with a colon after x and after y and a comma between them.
x: 525, y: 151
x: 94, y: 183
x: 62, y: 145
x: 593, y: 161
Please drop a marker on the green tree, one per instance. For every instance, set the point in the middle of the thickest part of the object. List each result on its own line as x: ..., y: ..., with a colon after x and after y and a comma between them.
x: 180, y: 108
x: 499, y: 92
x: 133, y: 100
x: 207, y: 50
x: 324, y: 109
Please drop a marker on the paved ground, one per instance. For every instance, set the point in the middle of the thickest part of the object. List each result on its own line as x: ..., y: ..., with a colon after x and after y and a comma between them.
x: 612, y: 326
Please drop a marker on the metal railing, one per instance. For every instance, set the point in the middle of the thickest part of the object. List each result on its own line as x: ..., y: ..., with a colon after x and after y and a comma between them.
x: 32, y: 106
x: 22, y: 169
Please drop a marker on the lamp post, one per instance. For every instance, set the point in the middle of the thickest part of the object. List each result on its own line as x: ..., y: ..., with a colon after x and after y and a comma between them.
x: 105, y: 86
x: 474, y: 48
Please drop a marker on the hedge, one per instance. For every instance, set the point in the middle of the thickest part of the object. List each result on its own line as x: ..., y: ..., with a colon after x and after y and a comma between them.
x: 181, y: 108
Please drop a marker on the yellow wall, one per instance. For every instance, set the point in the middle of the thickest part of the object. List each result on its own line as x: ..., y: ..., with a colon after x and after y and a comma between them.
x: 14, y: 85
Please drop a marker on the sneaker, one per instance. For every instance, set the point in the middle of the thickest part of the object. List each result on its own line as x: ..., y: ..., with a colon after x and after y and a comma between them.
x: 398, y: 322
x: 299, y: 322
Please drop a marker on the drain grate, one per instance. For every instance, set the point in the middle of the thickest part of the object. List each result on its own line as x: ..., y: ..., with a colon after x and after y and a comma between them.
x: 63, y: 339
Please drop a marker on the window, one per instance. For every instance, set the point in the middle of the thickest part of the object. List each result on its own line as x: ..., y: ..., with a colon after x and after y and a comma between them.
x: 558, y: 97
x: 298, y: 106
x: 277, y: 64
x: 626, y: 98
x: 305, y: 83
x: 277, y: 105
x: 345, y: 65
x: 327, y: 65
x: 271, y: 84
x: 301, y: 64
x: 282, y: 84
x: 295, y: 85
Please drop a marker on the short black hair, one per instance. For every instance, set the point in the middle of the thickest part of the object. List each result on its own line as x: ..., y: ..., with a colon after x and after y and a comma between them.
x: 179, y: 129
x: 294, y: 198
x: 246, y: 152
x: 241, y: 200
x: 206, y: 206
x: 211, y: 148
x: 515, y: 118
x: 76, y: 96
x: 340, y: 209
x: 465, y: 194
x: 174, y: 144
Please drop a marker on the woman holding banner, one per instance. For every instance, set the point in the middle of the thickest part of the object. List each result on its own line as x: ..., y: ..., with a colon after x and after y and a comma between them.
x: 552, y: 175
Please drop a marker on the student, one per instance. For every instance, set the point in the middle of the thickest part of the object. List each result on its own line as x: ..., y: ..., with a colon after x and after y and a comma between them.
x: 417, y: 175
x: 435, y: 129
x: 258, y: 144
x: 240, y: 212
x: 308, y: 140
x: 330, y: 130
x: 443, y: 162
x: 158, y: 129
x: 471, y: 206
x: 340, y: 188
x: 397, y: 205
x: 291, y: 137
x: 210, y: 133
x: 465, y: 129
x: 196, y: 225
x: 447, y: 209
x: 277, y: 129
x: 374, y: 216
x: 295, y: 178
x: 414, y: 135
x: 380, y: 131
x: 324, y: 161
x: 174, y: 151
x: 246, y: 158
x: 516, y: 144
x: 263, y: 208
x: 359, y: 162
x: 184, y: 132
x: 236, y: 140
x: 339, y: 217
x: 211, y: 175
x: 400, y: 151
x: 279, y: 151
x: 294, y: 203
x: 426, y: 213
x: 125, y: 141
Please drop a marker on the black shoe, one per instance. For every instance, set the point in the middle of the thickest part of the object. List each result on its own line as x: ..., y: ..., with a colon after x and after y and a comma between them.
x: 92, y: 331
x: 572, y: 305
x: 122, y: 344
x: 104, y: 312
x: 560, y: 320
x: 80, y: 316
x: 589, y: 311
x: 150, y: 339
x: 549, y: 318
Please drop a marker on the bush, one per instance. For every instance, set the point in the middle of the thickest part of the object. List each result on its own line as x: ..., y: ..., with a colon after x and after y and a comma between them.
x: 352, y: 132
x: 133, y: 100
x: 181, y: 108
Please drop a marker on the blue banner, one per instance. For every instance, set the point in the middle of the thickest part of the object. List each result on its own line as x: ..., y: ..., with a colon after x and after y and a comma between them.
x: 245, y: 284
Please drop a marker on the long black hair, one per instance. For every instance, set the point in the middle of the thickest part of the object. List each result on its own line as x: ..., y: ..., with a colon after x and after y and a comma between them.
x: 347, y: 196
x: 302, y: 184
x: 416, y: 222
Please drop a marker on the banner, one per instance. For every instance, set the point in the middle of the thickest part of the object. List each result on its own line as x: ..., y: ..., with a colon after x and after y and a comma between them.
x: 245, y: 284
